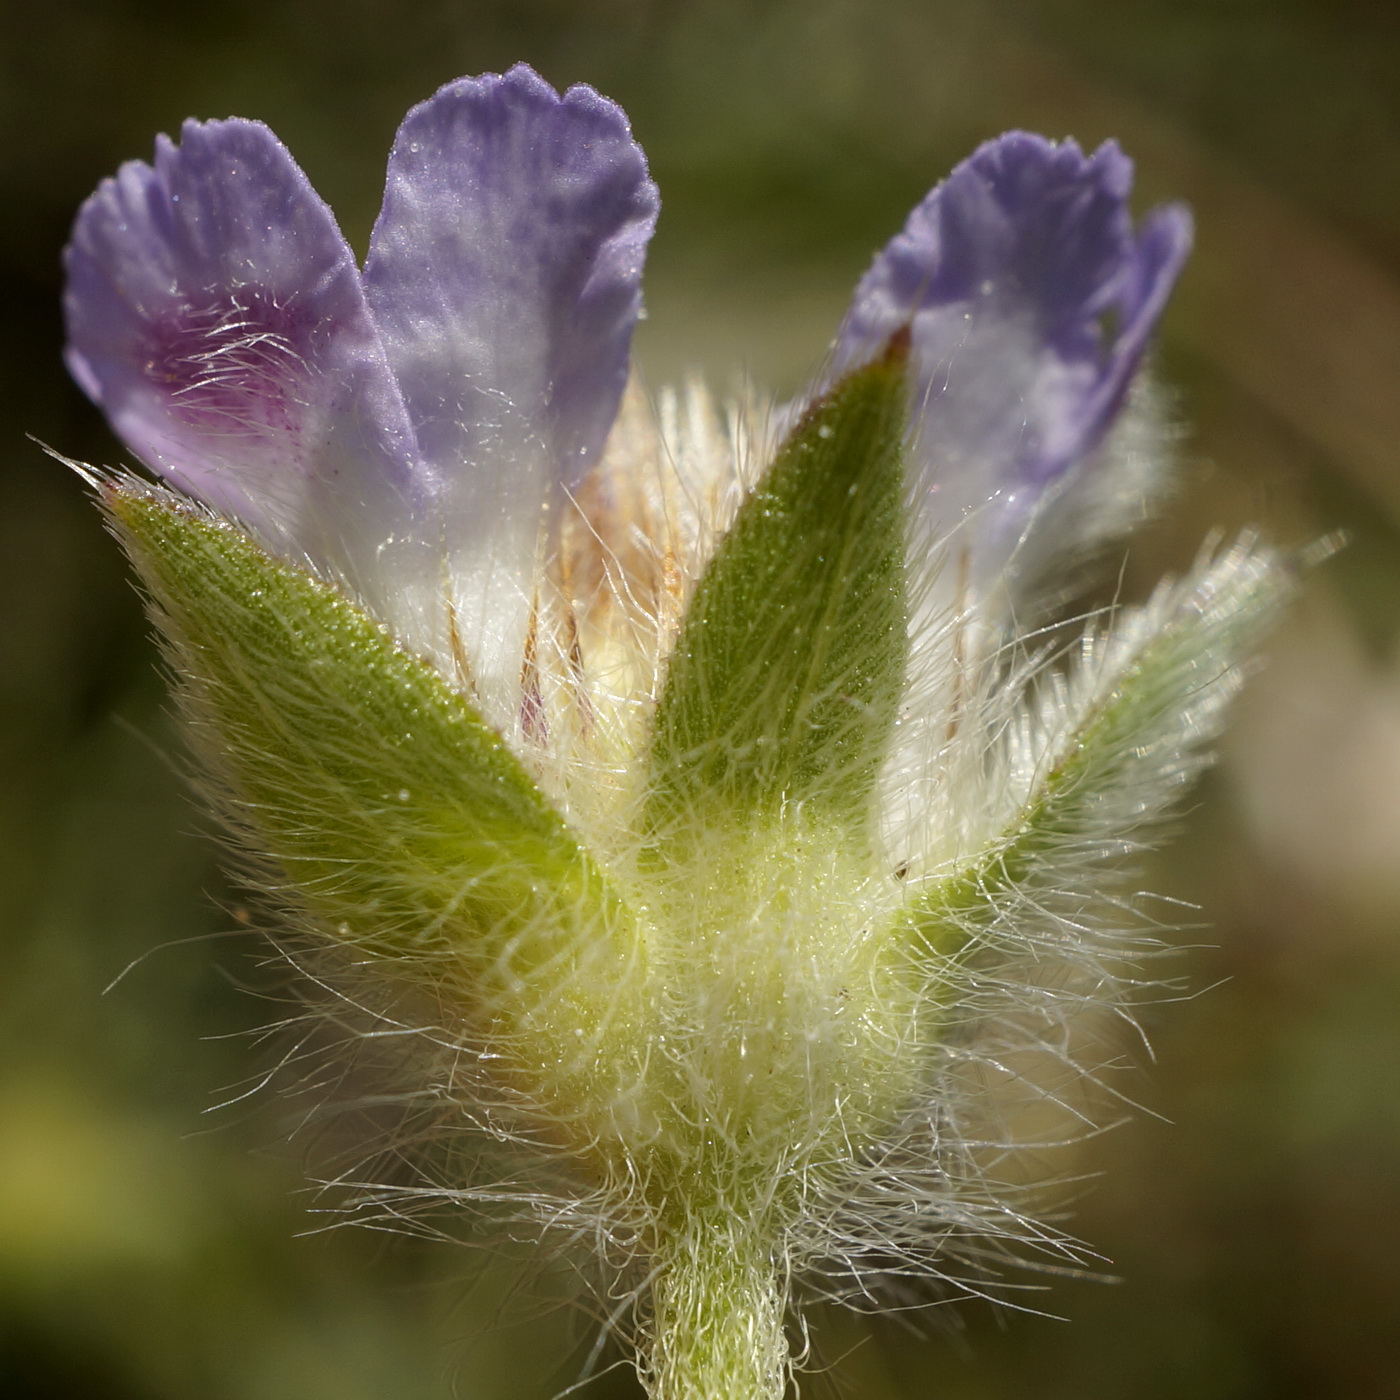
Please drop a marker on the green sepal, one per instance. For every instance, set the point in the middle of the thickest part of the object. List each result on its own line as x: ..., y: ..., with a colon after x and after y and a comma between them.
x: 399, y: 820
x: 784, y: 683
x: 1122, y: 763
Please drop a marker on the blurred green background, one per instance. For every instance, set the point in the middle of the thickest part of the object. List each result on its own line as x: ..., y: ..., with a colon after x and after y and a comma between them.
x: 151, y: 1249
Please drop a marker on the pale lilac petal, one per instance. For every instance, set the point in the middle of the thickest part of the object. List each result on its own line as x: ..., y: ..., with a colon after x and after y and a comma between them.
x: 1030, y: 300
x: 504, y: 274
x: 216, y: 313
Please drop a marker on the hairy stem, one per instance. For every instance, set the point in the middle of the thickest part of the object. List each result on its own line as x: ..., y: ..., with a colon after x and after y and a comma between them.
x: 718, y: 1307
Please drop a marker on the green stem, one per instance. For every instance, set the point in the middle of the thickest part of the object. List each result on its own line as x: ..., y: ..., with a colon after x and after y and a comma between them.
x: 718, y: 1308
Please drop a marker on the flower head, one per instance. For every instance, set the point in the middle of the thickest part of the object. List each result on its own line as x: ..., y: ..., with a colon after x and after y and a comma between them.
x: 695, y: 790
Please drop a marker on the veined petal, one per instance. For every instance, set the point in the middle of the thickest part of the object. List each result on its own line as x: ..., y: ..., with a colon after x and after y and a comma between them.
x: 504, y: 274
x: 216, y: 314
x: 1030, y: 300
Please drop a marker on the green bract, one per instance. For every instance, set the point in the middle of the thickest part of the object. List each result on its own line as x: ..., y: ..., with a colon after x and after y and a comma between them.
x: 388, y: 812
x: 785, y: 680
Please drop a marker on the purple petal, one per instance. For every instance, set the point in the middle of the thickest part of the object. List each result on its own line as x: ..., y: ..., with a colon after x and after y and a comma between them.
x: 504, y: 273
x: 1031, y: 302
x: 216, y: 314
x: 505, y: 268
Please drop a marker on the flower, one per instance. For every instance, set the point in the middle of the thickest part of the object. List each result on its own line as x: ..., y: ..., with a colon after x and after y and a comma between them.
x: 705, y: 797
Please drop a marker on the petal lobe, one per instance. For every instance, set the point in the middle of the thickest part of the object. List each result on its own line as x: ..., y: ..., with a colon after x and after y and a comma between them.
x: 1030, y: 300
x: 504, y: 272
x: 215, y: 312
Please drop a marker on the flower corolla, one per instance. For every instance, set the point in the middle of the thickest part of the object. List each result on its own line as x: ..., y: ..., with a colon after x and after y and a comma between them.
x: 699, y: 791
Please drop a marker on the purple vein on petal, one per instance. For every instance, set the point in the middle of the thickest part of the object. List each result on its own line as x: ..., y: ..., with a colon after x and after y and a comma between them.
x: 216, y: 314
x: 505, y: 275
x: 1031, y: 301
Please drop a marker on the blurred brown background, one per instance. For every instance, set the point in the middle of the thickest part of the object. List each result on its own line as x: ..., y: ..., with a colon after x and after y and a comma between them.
x: 152, y: 1251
